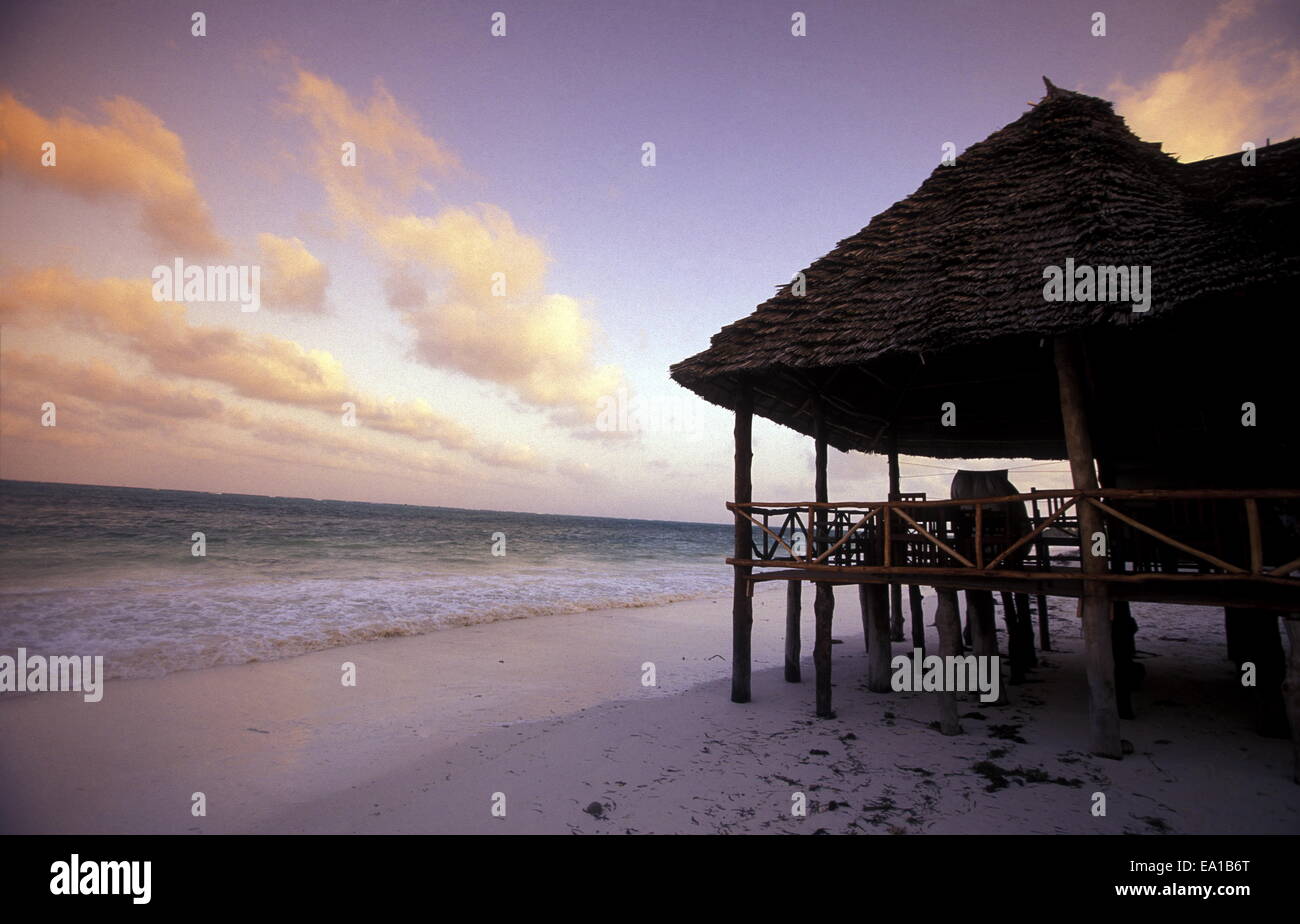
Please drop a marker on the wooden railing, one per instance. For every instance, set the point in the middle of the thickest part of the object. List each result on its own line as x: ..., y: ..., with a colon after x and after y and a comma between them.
x: 1151, y: 533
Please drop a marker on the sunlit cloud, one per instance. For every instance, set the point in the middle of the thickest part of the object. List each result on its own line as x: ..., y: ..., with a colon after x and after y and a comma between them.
x: 1221, y: 91
x: 132, y: 156
x: 292, y: 278
x: 122, y: 311
x: 468, y: 282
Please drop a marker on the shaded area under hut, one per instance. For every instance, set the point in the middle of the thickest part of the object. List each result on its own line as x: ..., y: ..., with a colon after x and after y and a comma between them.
x: 1063, y: 290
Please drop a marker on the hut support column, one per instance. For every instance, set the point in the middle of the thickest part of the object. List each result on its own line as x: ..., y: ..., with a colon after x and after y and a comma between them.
x: 948, y: 620
x: 793, y: 604
x: 823, y: 610
x: 1291, y: 687
x: 742, y: 605
x: 1104, y: 736
x: 878, y: 651
x: 895, y: 590
x: 918, y: 617
x: 824, y: 603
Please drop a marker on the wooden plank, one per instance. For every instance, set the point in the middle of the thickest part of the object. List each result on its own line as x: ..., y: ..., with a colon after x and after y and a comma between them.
x: 1167, y: 540
x: 979, y: 535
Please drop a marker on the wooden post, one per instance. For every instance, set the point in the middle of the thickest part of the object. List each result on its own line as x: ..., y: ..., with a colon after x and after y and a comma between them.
x: 1104, y: 736
x: 982, y: 619
x: 864, y: 607
x: 823, y: 610
x: 948, y: 621
x: 878, y: 654
x: 1044, y: 631
x: 742, y: 606
x: 824, y: 602
x: 1291, y: 688
x: 918, y: 617
x: 895, y: 590
x: 793, y: 604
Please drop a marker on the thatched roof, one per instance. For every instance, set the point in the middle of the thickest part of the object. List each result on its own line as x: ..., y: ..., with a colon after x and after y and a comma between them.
x: 940, y: 297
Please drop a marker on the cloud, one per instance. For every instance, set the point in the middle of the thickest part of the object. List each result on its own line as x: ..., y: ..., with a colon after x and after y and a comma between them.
x: 393, y: 155
x: 292, y: 278
x: 490, y: 316
x: 98, y: 381
x: 539, y: 345
x: 132, y: 156
x: 1224, y: 89
x: 268, y: 368
x: 95, y: 403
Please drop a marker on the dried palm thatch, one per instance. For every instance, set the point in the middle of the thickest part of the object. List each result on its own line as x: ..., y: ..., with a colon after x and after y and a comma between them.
x: 941, y: 298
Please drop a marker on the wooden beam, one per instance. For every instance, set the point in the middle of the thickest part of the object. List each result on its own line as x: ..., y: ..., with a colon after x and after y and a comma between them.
x: 1099, y: 659
x: 742, y: 606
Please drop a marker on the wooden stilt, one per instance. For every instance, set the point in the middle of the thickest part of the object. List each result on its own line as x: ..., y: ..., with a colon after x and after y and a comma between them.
x: 981, y: 617
x: 895, y: 590
x: 824, y: 603
x: 793, y: 605
x: 1103, y: 711
x: 824, y: 612
x: 948, y: 622
x: 982, y: 621
x: 1044, y: 631
x: 864, y: 604
x: 742, y: 606
x: 1259, y: 642
x: 918, y: 617
x: 1291, y: 688
x: 1123, y: 629
x: 878, y: 671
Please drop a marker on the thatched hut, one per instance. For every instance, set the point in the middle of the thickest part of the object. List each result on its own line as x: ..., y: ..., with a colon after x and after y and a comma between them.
x: 933, y: 331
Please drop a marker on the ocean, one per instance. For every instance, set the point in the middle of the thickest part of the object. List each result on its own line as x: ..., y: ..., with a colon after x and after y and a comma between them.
x: 90, y: 570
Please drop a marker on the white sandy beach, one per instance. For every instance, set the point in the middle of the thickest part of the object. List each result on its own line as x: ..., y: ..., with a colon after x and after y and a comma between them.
x: 551, y: 712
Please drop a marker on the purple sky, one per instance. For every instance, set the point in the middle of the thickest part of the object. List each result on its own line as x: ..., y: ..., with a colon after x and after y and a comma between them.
x: 770, y: 148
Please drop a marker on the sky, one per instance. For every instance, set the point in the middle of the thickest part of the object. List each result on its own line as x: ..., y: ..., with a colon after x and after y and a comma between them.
x: 466, y: 313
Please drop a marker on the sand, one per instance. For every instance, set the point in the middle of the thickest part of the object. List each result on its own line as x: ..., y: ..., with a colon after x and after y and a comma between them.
x: 551, y: 713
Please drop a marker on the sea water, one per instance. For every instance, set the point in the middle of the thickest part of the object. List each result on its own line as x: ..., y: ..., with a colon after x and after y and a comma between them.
x: 111, y: 571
